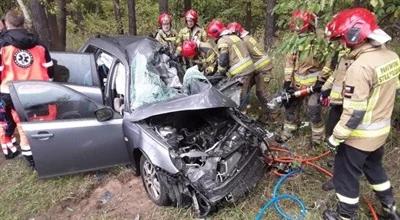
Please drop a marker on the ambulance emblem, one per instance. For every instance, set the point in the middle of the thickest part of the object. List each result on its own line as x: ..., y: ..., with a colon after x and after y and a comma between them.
x: 23, y: 58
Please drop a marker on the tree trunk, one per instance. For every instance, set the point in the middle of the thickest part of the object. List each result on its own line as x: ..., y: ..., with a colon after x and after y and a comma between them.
x: 248, y: 19
x: 28, y: 19
x: 118, y: 17
x: 269, y: 24
x: 187, y: 4
x: 40, y: 22
x: 358, y: 3
x: 55, y: 43
x: 163, y: 6
x: 132, y: 17
x: 62, y: 23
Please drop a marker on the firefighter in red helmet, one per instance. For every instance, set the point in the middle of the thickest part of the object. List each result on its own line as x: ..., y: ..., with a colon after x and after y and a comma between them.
x: 165, y: 34
x: 368, y: 98
x: 202, y: 54
x: 261, y: 60
x: 192, y: 31
x: 234, y: 59
x: 303, y: 71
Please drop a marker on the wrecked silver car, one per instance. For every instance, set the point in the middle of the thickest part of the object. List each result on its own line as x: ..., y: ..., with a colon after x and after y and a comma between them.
x: 185, y: 138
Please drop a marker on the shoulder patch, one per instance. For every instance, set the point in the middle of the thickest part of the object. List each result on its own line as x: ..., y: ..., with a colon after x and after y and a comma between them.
x: 348, y: 91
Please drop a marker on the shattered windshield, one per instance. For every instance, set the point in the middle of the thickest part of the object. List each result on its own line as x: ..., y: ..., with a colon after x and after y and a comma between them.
x: 155, y: 78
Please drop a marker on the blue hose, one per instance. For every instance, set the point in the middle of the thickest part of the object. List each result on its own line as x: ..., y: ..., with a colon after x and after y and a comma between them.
x: 276, y: 198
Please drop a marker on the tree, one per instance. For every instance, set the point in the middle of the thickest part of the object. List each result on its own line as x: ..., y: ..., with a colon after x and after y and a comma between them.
x: 270, y: 26
x: 61, y: 23
x: 163, y: 6
x: 40, y: 21
x: 132, y: 17
x: 118, y: 17
x: 28, y: 20
x: 187, y: 4
x: 248, y: 20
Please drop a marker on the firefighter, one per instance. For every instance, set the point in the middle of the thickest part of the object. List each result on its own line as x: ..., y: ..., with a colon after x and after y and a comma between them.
x: 165, y: 34
x: 202, y: 54
x: 192, y: 31
x: 261, y: 61
x: 234, y: 59
x: 368, y: 98
x: 22, y: 58
x: 300, y: 74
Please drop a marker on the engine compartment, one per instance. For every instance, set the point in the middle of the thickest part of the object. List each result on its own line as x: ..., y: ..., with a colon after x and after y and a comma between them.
x: 209, y: 147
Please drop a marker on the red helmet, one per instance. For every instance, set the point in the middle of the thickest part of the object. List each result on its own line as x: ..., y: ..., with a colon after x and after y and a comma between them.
x: 164, y: 17
x: 192, y: 14
x: 189, y: 49
x: 235, y: 27
x: 302, y: 21
x: 215, y: 29
x: 352, y: 26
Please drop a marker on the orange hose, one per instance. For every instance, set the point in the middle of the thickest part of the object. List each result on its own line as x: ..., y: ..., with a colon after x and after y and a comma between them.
x: 309, y: 161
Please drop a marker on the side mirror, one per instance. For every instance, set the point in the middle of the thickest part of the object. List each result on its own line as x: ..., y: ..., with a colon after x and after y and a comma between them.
x: 104, y: 114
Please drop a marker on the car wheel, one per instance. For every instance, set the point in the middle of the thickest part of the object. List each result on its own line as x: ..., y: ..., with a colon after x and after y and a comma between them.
x: 155, y: 188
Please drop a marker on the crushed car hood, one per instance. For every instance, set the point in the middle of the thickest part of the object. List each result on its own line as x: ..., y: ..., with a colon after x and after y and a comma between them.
x: 207, y: 99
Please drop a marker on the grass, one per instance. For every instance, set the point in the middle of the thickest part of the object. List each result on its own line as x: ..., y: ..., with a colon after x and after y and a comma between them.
x: 24, y: 196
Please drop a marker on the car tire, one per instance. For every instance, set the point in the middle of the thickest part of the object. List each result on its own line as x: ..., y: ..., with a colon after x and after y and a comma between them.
x: 155, y: 188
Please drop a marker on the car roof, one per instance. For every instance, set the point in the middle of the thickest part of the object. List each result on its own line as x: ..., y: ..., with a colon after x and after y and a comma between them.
x: 122, y: 45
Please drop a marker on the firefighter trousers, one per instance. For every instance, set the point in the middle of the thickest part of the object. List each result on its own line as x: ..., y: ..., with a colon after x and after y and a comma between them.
x: 335, y: 111
x: 350, y: 164
x: 292, y: 117
x: 257, y: 79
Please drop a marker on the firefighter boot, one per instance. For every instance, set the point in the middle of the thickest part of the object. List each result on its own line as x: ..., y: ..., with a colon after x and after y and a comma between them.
x: 328, y: 185
x: 318, y: 133
x: 390, y: 212
x: 333, y: 215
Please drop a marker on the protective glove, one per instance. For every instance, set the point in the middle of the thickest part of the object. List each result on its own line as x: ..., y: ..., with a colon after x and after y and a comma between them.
x: 324, y: 99
x: 318, y: 86
x: 288, y: 88
x: 333, y: 143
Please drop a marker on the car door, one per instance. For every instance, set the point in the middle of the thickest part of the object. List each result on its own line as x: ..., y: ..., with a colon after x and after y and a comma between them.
x: 72, y: 140
x: 78, y: 71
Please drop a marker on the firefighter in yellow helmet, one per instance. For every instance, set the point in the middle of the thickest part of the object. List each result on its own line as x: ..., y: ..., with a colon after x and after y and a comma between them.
x: 368, y: 99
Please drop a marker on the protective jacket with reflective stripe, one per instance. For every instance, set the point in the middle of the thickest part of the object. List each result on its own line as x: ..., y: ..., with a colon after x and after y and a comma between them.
x: 261, y: 60
x: 240, y: 62
x: 166, y: 39
x: 369, y: 97
x: 19, y: 64
x: 305, y: 72
x: 207, y: 58
x: 196, y: 33
x: 336, y: 80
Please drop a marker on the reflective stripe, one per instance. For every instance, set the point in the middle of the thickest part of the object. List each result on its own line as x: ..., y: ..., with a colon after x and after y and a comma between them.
x: 290, y: 127
x: 326, y: 69
x: 330, y: 79
x: 264, y: 61
x: 170, y: 38
x: 25, y: 147
x: 240, y: 66
x: 211, y: 57
x: 341, y: 131
x: 370, y: 133
x: 234, y: 38
x: 306, y: 80
x: 48, y: 64
x: 336, y: 95
x: 381, y: 187
x: 375, y: 126
x: 371, y: 105
x: 253, y: 41
x: 26, y: 152
x: 237, y: 51
x: 355, y: 105
x: 223, y: 45
x: 347, y: 200
x: 318, y: 129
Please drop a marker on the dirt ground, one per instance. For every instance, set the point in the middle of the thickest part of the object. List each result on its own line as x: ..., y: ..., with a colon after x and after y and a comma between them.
x: 123, y: 197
